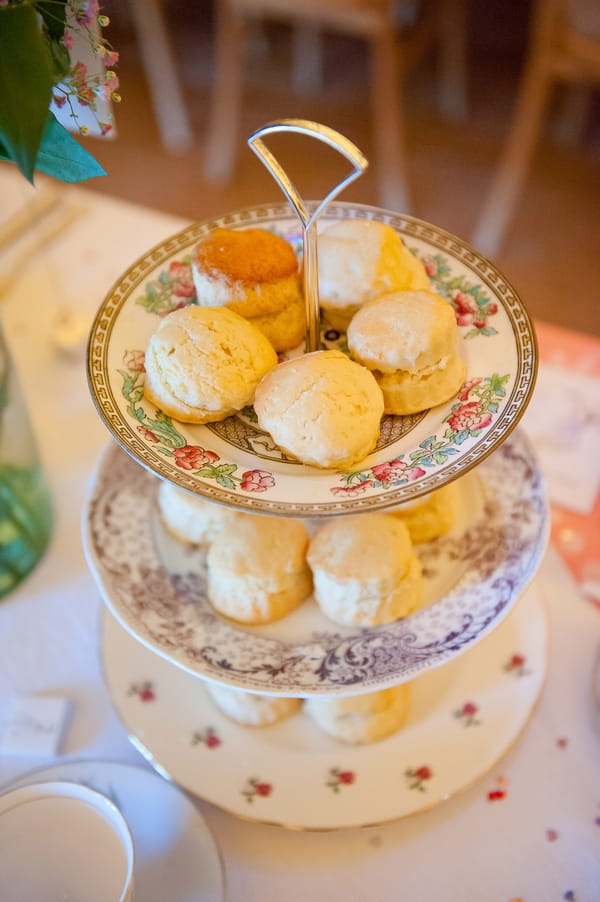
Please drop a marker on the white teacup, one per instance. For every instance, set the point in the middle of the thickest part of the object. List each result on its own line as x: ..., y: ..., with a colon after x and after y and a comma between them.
x: 63, y: 842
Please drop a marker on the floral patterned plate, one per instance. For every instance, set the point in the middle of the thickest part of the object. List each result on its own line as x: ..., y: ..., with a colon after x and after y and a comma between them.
x: 236, y: 463
x: 462, y: 719
x: 155, y: 586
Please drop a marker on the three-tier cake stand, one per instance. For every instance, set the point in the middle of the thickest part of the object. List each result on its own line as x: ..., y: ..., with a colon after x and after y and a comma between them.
x: 475, y: 671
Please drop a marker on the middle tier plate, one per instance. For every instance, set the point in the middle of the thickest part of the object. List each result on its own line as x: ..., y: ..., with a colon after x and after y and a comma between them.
x: 156, y: 587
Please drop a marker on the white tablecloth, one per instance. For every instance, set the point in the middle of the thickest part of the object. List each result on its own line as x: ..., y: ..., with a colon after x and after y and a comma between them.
x: 541, y: 842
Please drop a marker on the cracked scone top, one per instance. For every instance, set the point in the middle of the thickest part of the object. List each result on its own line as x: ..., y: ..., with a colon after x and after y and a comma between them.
x: 322, y: 408
x: 204, y: 363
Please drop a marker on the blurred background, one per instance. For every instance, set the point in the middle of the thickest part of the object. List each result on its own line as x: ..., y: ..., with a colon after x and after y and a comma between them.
x: 453, y: 144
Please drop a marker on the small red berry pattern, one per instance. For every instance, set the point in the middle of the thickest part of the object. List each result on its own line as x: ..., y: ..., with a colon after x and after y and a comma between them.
x: 467, y: 713
x: 207, y: 737
x: 145, y: 691
x: 516, y: 664
x: 255, y: 787
x: 418, y: 777
x: 338, y: 778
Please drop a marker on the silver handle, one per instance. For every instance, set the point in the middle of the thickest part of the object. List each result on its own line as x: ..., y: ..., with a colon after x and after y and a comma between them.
x: 307, y: 219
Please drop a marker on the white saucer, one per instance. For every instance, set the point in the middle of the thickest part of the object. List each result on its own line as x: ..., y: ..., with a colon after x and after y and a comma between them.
x: 176, y: 858
x: 294, y: 775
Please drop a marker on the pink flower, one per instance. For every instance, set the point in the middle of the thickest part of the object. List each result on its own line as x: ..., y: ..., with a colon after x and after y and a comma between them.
x: 147, y: 694
x: 212, y: 741
x: 134, y: 360
x: 257, y: 481
x: 469, y: 417
x: 492, y: 308
x: 465, y: 390
x: 465, y: 311
x: 181, y: 280
x: 395, y: 470
x: 346, y: 776
x: 105, y: 128
x: 469, y: 709
x: 193, y: 457
x: 429, y: 266
x: 263, y: 789
x: 59, y: 100
x: 348, y: 491
x: 147, y: 434
x: 68, y: 39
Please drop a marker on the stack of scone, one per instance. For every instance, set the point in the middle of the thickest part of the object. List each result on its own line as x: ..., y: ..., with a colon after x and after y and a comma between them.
x: 254, y: 273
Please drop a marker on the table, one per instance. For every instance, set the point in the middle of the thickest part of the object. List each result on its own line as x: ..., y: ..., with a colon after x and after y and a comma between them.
x: 535, y: 840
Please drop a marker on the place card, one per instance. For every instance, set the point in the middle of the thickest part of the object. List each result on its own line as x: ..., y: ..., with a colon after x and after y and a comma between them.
x: 33, y: 726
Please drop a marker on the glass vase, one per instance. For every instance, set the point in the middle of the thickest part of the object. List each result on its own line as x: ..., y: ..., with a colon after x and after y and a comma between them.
x: 25, y: 503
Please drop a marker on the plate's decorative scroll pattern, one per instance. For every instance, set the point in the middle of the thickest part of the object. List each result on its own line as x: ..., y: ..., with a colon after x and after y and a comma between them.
x: 247, y: 470
x: 165, y: 605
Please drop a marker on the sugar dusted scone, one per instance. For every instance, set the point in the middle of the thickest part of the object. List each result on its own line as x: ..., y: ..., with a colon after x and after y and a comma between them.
x: 322, y: 408
x: 204, y: 363
x: 257, y: 569
x: 409, y: 340
x: 430, y: 516
x: 361, y: 718
x: 192, y: 519
x: 250, y: 709
x: 365, y: 571
x: 360, y: 259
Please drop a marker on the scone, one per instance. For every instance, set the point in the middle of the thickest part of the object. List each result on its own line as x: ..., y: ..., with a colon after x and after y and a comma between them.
x: 361, y: 718
x: 250, y: 709
x: 192, y: 519
x: 360, y: 259
x: 204, y: 363
x: 365, y: 570
x: 322, y: 408
x: 409, y: 340
x: 257, y: 569
x: 285, y: 328
x: 430, y: 516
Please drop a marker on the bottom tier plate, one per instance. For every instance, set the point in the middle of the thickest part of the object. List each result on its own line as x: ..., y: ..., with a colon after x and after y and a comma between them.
x: 463, y: 717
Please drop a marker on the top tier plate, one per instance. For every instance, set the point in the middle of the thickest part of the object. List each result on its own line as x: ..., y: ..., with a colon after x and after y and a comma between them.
x: 236, y: 464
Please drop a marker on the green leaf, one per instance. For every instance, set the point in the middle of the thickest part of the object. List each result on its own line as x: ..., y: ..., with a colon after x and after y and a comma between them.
x: 26, y: 77
x: 54, y: 14
x: 62, y: 157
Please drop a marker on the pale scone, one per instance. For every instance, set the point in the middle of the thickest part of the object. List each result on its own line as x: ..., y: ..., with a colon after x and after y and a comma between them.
x: 285, y: 328
x: 189, y: 518
x: 359, y: 259
x: 257, y: 569
x: 204, y: 363
x: 361, y: 718
x: 251, y: 709
x: 365, y: 570
x: 430, y: 516
x: 409, y: 340
x: 322, y: 408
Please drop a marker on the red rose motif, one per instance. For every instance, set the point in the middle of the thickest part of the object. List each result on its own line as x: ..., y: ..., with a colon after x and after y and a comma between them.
x: 395, y: 470
x: 465, y: 390
x: 193, y: 457
x: 263, y: 789
x: 517, y: 661
x: 348, y: 491
x: 492, y: 308
x: 469, y: 709
x: 465, y: 311
x: 147, y: 434
x: 346, y: 776
x: 212, y: 741
x: 423, y: 773
x: 469, y: 417
x: 182, y: 284
x: 146, y: 694
x: 257, y: 481
x: 496, y: 795
x: 429, y: 266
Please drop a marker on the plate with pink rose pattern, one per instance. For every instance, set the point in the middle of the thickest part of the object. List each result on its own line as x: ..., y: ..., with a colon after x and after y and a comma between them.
x: 238, y: 464
x: 461, y: 720
x: 156, y: 586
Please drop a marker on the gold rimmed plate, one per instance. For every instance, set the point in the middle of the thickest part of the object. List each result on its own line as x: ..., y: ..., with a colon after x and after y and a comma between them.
x: 237, y: 464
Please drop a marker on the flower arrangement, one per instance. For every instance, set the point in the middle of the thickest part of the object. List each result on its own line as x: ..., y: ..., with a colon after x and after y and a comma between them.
x: 37, y: 73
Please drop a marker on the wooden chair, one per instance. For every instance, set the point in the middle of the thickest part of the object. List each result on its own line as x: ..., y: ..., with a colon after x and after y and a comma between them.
x: 564, y: 47
x: 392, y: 51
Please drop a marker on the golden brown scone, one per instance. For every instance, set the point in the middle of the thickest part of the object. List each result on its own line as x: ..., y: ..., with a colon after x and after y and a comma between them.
x: 322, y: 408
x: 257, y: 570
x: 285, y: 328
x: 361, y: 718
x: 204, y: 363
x: 432, y: 515
x: 360, y: 259
x: 251, y: 709
x: 365, y: 571
x: 192, y: 519
x: 409, y: 340
x: 251, y: 271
